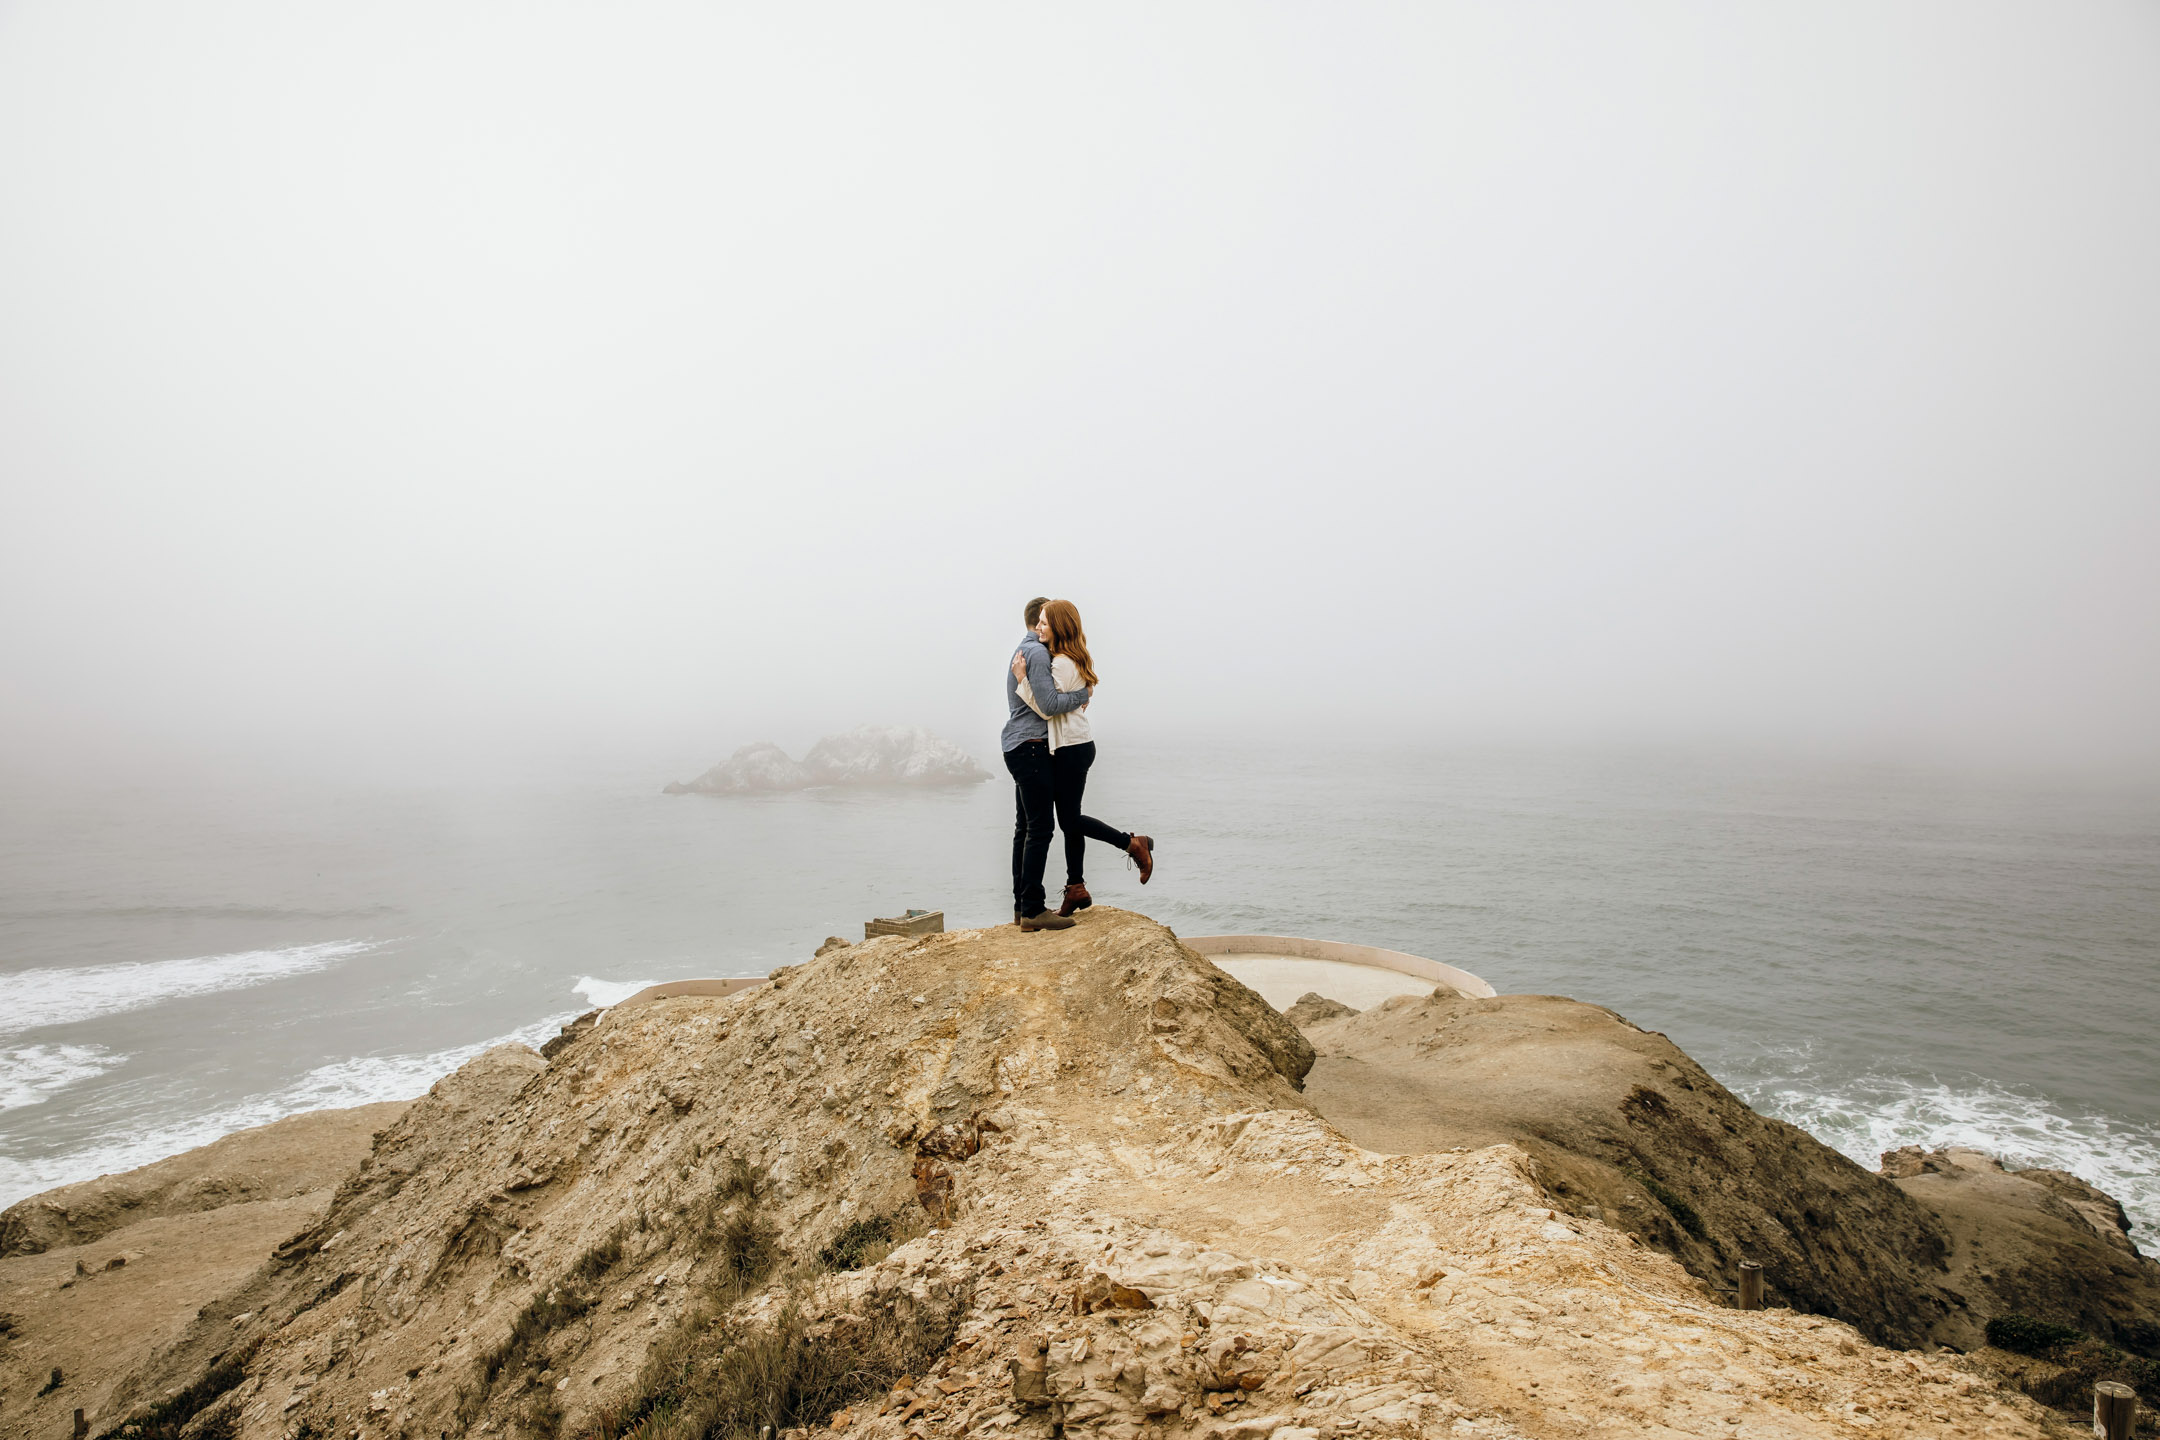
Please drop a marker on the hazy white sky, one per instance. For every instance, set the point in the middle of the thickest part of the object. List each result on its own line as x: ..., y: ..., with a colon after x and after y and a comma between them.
x: 456, y: 379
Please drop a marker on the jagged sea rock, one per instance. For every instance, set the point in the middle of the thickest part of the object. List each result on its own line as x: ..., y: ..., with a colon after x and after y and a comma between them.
x: 753, y: 769
x: 890, y: 755
x: 1146, y: 1229
x: 866, y: 755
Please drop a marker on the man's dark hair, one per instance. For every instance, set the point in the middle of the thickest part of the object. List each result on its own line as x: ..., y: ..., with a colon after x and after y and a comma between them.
x: 1034, y: 609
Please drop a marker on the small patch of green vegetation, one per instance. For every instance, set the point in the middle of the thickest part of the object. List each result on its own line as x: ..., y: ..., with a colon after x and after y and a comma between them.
x: 166, y: 1419
x: 1675, y: 1203
x: 597, y: 1261
x: 865, y: 1242
x: 2143, y: 1336
x: 748, y: 1250
x: 2083, y: 1360
x: 2028, y: 1336
x: 727, y: 1221
x: 849, y: 1250
x: 739, y: 1181
x: 709, y: 1380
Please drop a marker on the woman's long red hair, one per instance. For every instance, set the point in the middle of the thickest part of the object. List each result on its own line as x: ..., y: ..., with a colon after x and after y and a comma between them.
x: 1067, y: 638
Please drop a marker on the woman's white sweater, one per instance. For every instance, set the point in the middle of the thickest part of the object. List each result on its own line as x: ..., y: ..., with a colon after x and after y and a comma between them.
x: 1071, y: 728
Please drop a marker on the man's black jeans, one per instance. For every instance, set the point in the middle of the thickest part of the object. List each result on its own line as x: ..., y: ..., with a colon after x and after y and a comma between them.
x: 1034, y: 816
x: 1070, y: 767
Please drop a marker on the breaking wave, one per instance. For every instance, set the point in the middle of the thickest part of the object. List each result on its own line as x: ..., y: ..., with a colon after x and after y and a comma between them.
x: 359, y: 1081
x: 29, y: 1074
x: 1872, y: 1113
x: 604, y: 994
x: 85, y: 992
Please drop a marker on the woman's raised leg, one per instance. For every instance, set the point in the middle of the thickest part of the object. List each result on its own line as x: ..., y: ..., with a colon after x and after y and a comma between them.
x: 1071, y: 763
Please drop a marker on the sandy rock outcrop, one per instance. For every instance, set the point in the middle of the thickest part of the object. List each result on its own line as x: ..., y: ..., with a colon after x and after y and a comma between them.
x: 102, y: 1275
x: 1624, y: 1126
x: 866, y: 755
x: 2041, y: 1243
x: 1144, y: 1229
x: 1312, y: 1008
x: 291, y: 1157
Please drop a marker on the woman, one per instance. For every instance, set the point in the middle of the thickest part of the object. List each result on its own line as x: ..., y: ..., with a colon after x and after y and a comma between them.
x: 1072, y: 751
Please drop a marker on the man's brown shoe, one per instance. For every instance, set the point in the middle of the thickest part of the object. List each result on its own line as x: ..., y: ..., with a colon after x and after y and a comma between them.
x: 1076, y: 898
x: 1046, y: 921
x: 1142, y: 849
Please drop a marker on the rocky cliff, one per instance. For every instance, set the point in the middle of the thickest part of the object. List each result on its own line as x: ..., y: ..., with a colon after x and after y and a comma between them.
x: 991, y: 1184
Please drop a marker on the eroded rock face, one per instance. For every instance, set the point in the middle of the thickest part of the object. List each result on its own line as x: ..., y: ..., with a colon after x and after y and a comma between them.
x: 1145, y: 1228
x: 2032, y: 1242
x: 1623, y: 1125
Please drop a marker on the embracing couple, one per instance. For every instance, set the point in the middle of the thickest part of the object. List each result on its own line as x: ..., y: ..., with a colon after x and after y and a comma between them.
x: 1048, y: 749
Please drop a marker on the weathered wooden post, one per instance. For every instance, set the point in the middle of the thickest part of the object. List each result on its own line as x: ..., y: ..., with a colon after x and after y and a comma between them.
x: 1750, y: 1285
x: 2114, y: 1410
x: 82, y: 1425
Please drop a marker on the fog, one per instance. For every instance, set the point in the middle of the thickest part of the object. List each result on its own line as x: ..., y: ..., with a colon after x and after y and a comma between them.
x: 453, y: 384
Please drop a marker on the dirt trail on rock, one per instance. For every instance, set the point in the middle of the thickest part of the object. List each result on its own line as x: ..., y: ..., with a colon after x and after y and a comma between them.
x: 680, y: 1225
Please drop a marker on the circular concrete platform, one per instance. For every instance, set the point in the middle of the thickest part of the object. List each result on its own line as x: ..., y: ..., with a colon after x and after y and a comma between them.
x: 1284, y: 967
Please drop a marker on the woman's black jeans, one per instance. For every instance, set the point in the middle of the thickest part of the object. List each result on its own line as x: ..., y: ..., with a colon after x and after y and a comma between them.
x: 1069, y: 767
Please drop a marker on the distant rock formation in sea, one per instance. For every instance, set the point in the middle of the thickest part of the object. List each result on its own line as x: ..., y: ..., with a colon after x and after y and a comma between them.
x: 866, y: 755
x: 754, y: 768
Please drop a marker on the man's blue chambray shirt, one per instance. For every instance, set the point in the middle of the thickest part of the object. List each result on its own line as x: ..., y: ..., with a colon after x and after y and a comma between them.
x: 1021, y: 723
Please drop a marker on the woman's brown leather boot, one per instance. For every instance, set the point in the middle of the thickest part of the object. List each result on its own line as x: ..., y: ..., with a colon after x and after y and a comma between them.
x: 1142, y: 849
x: 1076, y: 898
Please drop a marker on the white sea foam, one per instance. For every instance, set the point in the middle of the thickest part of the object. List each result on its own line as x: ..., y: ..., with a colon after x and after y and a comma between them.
x: 360, y: 1081
x: 62, y: 996
x: 29, y: 1074
x: 1871, y: 1114
x: 608, y: 993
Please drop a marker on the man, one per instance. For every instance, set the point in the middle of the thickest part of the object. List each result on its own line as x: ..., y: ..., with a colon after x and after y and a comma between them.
x: 1027, y: 757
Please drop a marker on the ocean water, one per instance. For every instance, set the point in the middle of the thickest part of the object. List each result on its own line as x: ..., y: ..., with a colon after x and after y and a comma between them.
x: 1882, y: 955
